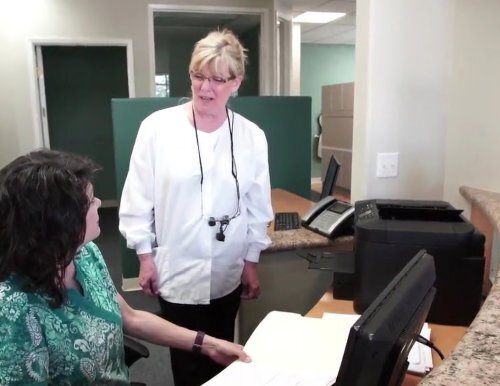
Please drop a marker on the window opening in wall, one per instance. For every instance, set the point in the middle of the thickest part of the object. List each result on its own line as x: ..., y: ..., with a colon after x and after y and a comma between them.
x: 162, y: 85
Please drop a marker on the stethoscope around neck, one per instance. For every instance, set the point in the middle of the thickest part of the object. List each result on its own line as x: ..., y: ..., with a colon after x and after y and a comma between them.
x: 224, y: 220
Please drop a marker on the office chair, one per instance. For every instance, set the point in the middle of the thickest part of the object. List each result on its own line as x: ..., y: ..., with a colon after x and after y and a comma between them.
x: 133, y: 352
x: 330, y: 178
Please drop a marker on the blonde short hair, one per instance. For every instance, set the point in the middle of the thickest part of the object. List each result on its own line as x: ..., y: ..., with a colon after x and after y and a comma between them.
x: 219, y: 47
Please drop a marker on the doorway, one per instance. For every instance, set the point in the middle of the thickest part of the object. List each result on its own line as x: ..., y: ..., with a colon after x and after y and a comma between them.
x: 174, y: 30
x: 76, y: 85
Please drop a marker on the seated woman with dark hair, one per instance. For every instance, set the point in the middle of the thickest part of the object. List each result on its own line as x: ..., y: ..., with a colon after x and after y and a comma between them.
x: 61, y: 318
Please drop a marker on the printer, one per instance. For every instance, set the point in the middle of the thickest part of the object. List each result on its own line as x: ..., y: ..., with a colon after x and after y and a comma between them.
x: 388, y: 233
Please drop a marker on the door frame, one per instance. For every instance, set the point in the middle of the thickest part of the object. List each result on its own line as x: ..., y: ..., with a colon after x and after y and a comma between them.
x: 37, y: 92
x: 266, y: 57
x: 37, y: 85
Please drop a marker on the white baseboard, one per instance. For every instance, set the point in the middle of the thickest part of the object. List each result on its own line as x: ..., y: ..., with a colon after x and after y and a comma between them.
x: 237, y: 328
x: 109, y: 204
x: 316, y: 180
x: 131, y: 284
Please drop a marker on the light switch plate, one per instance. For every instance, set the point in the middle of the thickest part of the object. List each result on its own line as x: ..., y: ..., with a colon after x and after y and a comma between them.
x: 387, y: 164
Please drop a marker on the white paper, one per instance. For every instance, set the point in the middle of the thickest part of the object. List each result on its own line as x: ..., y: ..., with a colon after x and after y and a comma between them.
x: 255, y: 374
x: 289, y: 349
x: 290, y: 341
x: 420, y: 356
x: 349, y: 319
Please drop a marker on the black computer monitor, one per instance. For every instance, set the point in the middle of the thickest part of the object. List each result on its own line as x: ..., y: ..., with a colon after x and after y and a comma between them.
x: 377, y: 348
x: 330, y: 177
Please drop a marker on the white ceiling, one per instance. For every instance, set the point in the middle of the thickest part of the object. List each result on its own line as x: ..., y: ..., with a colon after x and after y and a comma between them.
x: 340, y: 31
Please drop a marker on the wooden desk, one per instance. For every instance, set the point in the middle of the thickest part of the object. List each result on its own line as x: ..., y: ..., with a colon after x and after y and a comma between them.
x: 444, y: 337
x: 284, y: 201
x: 339, y: 193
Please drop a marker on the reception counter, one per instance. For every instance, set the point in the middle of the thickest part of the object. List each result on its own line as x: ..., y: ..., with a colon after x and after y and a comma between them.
x: 475, y: 359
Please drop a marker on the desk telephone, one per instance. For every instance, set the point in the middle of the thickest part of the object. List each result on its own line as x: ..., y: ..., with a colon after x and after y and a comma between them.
x: 330, y: 217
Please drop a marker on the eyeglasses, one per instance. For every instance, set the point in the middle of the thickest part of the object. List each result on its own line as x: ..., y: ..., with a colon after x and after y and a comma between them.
x: 198, y: 77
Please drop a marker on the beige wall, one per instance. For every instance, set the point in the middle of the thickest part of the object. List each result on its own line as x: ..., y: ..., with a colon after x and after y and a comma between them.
x: 401, y: 81
x: 428, y: 87
x: 429, y: 91
x: 82, y: 20
x: 473, y: 141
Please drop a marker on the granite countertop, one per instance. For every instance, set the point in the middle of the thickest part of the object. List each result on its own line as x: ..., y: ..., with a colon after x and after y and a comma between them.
x: 303, y: 238
x: 475, y: 360
x: 488, y: 201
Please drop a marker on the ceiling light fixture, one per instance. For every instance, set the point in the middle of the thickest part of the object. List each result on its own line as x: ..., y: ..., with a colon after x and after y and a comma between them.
x: 317, y: 17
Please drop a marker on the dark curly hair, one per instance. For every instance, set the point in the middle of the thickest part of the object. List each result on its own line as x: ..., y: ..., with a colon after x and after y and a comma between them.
x: 43, y: 208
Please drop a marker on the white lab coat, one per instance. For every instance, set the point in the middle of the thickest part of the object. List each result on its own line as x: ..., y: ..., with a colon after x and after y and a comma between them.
x: 165, y: 209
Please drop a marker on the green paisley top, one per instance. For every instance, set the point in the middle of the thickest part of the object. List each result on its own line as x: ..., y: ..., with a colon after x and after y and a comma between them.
x: 79, y: 343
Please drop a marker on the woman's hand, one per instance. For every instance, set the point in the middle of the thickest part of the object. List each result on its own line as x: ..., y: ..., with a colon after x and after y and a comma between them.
x: 148, y: 275
x: 222, y: 351
x: 250, y: 281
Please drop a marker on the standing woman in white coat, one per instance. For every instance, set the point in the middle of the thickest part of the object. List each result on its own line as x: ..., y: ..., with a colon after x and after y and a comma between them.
x: 196, y: 204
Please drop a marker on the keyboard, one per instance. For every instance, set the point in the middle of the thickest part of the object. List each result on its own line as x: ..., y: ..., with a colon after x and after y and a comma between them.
x: 284, y: 221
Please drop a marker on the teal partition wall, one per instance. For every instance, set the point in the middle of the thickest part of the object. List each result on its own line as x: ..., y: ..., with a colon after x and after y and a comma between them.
x: 285, y: 120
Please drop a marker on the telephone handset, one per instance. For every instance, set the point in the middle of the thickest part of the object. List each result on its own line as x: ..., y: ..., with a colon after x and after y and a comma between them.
x: 330, y: 217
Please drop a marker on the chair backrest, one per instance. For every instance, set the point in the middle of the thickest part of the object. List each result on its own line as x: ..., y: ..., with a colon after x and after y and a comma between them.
x: 134, y: 350
x: 330, y: 177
